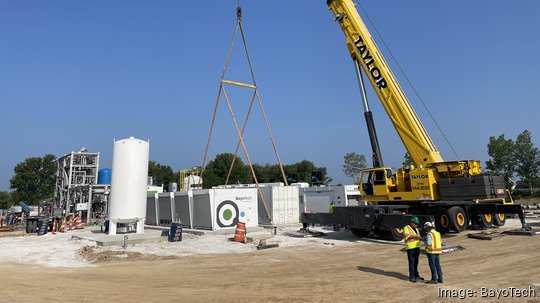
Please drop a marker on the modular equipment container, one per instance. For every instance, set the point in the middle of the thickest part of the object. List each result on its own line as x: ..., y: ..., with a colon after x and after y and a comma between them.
x: 282, y: 203
x: 221, y: 208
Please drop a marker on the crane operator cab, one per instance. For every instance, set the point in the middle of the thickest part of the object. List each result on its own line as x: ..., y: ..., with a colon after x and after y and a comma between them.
x: 383, y: 185
x: 377, y: 181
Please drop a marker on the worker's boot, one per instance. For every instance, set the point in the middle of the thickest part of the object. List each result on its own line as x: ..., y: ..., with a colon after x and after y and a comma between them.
x: 412, y: 280
x: 440, y: 280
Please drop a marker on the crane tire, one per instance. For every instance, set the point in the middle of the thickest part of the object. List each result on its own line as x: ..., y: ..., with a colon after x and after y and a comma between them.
x: 499, y: 219
x: 443, y: 220
x: 485, y: 220
x: 458, y: 219
x: 360, y: 233
x: 391, y: 234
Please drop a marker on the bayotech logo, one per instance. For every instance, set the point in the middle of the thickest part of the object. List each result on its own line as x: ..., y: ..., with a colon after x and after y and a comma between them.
x: 419, y: 177
x: 228, y: 214
x: 370, y: 63
x: 244, y: 199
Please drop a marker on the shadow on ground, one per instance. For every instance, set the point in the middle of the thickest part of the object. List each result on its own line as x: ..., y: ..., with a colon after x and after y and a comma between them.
x: 381, y: 272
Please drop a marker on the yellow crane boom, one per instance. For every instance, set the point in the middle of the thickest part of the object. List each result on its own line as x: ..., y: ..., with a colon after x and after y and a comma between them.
x: 364, y: 50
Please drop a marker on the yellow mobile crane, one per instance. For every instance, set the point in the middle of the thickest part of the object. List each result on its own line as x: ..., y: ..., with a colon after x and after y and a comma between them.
x: 453, y: 192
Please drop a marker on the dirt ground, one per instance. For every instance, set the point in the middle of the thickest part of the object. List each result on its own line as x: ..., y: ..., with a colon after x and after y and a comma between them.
x: 365, y: 271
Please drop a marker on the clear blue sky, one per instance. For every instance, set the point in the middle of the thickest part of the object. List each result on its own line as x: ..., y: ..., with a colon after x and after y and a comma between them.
x: 82, y: 73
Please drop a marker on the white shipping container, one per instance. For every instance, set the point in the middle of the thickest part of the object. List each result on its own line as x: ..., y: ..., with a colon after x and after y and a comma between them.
x: 317, y: 199
x: 282, y: 203
x: 221, y: 208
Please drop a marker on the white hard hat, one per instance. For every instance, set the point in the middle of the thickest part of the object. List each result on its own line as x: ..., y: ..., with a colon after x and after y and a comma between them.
x: 428, y: 225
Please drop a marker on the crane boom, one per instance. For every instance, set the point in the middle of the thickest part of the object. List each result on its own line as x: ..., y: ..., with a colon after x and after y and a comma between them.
x: 364, y: 51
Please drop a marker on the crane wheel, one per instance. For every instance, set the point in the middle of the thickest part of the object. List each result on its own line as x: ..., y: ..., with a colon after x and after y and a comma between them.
x: 499, y: 219
x: 485, y: 221
x: 360, y: 233
x: 392, y: 234
x: 443, y: 220
x: 458, y: 219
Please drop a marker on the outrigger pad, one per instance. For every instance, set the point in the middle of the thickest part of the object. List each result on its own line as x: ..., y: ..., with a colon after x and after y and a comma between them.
x: 305, y: 233
x: 522, y: 232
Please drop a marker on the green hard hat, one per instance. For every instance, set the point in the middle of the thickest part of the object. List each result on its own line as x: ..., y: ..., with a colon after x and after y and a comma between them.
x: 415, y: 220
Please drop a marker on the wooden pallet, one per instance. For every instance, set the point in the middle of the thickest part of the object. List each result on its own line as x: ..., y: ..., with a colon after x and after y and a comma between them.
x: 486, y: 235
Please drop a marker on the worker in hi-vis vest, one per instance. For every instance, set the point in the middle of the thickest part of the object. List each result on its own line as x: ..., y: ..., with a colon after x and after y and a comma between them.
x: 433, y: 250
x: 412, y: 239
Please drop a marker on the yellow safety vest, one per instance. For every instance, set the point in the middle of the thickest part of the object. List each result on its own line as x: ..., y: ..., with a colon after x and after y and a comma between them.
x: 435, y: 247
x: 408, y: 231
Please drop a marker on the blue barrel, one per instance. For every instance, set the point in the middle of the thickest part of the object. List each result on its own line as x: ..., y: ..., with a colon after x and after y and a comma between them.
x: 104, y: 176
x: 42, y: 227
x: 175, y: 234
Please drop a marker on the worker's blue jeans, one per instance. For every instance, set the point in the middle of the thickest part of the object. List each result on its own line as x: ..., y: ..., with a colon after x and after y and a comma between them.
x: 413, y: 255
x: 435, y: 266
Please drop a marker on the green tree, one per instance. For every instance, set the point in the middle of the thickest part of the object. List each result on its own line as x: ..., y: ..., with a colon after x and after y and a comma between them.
x: 162, y: 174
x: 407, y: 160
x: 353, y: 165
x: 527, y: 157
x: 216, y: 171
x: 503, y: 157
x: 306, y: 171
x: 268, y: 173
x: 320, y: 177
x: 5, y: 199
x: 34, y: 179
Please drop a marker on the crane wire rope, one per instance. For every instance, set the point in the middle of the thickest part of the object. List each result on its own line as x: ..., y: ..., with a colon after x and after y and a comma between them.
x: 408, y: 80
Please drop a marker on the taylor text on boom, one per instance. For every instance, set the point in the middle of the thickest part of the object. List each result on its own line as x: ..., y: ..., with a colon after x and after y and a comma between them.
x: 374, y: 71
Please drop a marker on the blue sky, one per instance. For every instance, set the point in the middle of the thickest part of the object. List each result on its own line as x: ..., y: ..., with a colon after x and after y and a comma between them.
x: 82, y: 73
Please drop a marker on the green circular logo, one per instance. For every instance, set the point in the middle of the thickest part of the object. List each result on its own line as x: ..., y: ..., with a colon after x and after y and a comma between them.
x: 227, y: 214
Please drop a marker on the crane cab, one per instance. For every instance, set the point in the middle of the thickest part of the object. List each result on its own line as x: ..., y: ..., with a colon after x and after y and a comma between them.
x: 407, y: 184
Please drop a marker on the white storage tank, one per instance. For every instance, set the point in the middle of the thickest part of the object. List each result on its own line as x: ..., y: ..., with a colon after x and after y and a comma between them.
x: 172, y: 187
x: 282, y: 203
x: 221, y: 208
x: 127, y: 206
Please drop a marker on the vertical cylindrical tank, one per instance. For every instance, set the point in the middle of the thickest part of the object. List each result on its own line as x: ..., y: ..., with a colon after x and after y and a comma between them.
x: 128, y: 180
x: 104, y: 176
x: 173, y: 187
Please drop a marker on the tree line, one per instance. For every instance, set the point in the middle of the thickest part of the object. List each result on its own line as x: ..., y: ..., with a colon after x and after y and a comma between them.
x: 34, y: 179
x: 511, y: 158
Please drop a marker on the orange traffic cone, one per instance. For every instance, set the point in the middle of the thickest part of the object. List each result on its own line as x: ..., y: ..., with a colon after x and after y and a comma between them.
x: 70, y: 222
x: 53, y: 230
x: 63, y: 226
x: 240, y: 233
x: 78, y: 223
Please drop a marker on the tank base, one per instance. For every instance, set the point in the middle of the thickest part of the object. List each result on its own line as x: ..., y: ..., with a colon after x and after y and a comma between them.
x: 125, y: 226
